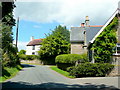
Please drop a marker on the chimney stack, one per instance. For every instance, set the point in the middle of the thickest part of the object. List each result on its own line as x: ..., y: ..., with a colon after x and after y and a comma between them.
x: 32, y: 38
x: 87, y: 21
x: 82, y: 24
x: 119, y: 5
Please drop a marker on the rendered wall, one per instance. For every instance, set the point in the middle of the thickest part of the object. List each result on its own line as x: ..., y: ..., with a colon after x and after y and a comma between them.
x: 29, y: 50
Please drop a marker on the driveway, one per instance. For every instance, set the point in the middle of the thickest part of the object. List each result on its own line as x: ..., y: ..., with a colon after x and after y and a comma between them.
x: 39, y: 76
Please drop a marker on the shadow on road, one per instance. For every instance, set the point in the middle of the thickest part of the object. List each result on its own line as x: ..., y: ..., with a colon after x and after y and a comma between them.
x: 27, y: 65
x: 48, y: 86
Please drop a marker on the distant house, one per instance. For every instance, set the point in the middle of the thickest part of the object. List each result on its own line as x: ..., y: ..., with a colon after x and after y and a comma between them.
x: 81, y: 36
x: 33, y: 46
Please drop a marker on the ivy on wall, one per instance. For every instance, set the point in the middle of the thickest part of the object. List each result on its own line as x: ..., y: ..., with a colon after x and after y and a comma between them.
x: 104, y: 43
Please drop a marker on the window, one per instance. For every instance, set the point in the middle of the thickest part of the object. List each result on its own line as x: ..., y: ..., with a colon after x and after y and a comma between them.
x: 33, y: 48
x: 33, y: 53
x: 116, y: 49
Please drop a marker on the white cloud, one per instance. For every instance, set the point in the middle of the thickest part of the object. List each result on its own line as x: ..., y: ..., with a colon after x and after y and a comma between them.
x: 21, y: 45
x: 37, y: 26
x: 67, y: 12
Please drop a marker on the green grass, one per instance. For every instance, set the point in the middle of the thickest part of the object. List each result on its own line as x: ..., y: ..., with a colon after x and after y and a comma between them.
x: 65, y: 73
x: 10, y: 72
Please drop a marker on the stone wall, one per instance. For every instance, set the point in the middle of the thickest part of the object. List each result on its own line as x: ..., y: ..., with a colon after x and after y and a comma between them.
x: 77, y: 48
x: 116, y: 69
x: 32, y: 61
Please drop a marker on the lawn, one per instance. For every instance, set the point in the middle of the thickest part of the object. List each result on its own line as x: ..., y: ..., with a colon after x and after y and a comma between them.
x: 9, y: 72
x: 65, y: 73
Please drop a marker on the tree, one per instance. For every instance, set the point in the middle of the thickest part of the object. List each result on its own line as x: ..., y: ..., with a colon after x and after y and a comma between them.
x: 54, y: 44
x: 7, y: 15
x: 63, y: 31
x: 8, y: 49
x: 22, y: 52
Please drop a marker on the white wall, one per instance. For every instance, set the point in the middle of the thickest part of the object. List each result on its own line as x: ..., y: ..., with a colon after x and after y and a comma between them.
x: 29, y: 50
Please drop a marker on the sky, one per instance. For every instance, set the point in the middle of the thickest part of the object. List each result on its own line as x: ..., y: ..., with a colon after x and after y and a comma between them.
x: 39, y: 17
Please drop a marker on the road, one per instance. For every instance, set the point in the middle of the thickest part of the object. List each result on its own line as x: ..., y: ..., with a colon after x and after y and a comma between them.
x: 39, y: 76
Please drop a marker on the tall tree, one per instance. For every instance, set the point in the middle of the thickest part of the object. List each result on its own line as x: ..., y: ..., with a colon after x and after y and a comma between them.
x: 54, y: 44
x: 63, y: 31
x: 9, y: 51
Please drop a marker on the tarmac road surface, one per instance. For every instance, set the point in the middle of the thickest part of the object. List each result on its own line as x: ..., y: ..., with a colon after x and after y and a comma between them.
x: 39, y: 76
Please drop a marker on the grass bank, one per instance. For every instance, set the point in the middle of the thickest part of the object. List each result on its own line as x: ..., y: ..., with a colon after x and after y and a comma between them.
x: 65, y: 73
x: 9, y: 72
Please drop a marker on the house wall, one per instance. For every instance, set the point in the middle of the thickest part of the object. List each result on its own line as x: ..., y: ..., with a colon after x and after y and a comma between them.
x: 29, y: 50
x: 77, y: 48
x: 116, y: 69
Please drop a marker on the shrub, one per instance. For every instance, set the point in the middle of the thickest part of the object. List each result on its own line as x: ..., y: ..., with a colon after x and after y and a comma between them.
x: 27, y: 57
x: 71, y: 58
x: 66, y: 60
x: 90, y: 69
x: 22, y: 56
x: 31, y: 57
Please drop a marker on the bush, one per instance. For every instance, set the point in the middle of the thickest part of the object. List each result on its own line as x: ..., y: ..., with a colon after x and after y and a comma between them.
x: 90, y: 69
x: 67, y: 60
x: 71, y: 58
x: 28, y: 57
x: 22, y: 56
x: 31, y: 57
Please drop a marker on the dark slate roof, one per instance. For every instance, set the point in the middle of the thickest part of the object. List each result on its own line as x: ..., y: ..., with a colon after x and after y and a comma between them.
x: 76, y: 34
x: 35, y: 42
x: 91, y: 32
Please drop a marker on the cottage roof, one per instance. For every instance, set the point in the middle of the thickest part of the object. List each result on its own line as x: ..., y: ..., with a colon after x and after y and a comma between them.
x: 35, y: 42
x: 77, y: 33
x: 91, y: 32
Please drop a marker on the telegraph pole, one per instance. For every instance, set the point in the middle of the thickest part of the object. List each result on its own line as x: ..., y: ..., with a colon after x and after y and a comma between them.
x: 17, y: 31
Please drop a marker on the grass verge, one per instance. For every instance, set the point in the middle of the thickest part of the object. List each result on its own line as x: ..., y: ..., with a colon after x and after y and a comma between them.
x: 9, y: 72
x: 65, y: 73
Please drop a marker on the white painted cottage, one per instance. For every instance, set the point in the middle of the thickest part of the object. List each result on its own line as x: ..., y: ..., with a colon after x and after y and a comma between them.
x: 33, y: 46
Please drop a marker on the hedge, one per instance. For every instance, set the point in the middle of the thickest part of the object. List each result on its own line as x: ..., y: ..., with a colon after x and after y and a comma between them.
x: 90, y: 69
x: 71, y: 58
x: 28, y: 57
x: 67, y: 60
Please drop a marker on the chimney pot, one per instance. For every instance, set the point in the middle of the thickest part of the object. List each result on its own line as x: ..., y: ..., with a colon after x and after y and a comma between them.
x: 32, y: 38
x: 82, y: 24
x: 87, y: 21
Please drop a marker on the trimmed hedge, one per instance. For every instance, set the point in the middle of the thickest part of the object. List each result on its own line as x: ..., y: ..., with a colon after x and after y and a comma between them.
x: 71, y: 58
x: 90, y: 69
x: 67, y: 60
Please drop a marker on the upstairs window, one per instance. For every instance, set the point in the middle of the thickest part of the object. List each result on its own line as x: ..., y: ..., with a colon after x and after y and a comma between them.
x: 33, y: 48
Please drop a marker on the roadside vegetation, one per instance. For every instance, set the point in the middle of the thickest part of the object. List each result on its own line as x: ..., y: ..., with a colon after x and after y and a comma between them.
x: 9, y: 72
x: 65, y: 73
x: 9, y: 59
x: 22, y: 55
x: 56, y: 43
